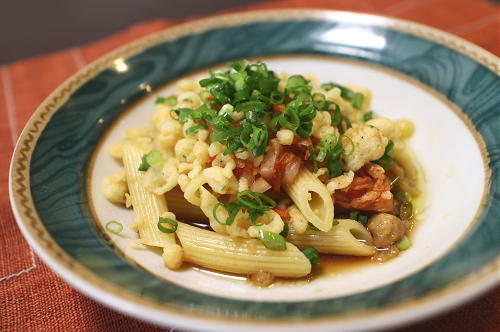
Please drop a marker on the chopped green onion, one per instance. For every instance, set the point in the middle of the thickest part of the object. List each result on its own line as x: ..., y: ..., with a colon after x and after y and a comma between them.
x: 251, y: 106
x: 404, y: 243
x: 312, y: 157
x: 334, y: 168
x: 226, y: 108
x: 289, y: 119
x: 272, y: 240
x: 387, y: 160
x: 312, y: 255
x: 256, y: 204
x: 347, y: 122
x: 160, y: 100
x: 335, y: 113
x: 297, y: 84
x: 361, y: 218
x: 195, y: 128
x: 335, y: 222
x: 367, y: 116
x: 405, y: 210
x: 233, y: 210
x: 402, y: 196
x: 285, y: 230
x: 154, y: 158
x: 318, y: 100
x: 172, y: 100
x: 353, y: 147
x: 277, y: 97
x: 144, y: 166
x: 170, y: 225
x: 357, y: 100
x: 114, y: 227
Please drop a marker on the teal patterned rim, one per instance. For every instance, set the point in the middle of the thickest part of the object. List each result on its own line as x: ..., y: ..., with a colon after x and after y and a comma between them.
x: 87, y: 104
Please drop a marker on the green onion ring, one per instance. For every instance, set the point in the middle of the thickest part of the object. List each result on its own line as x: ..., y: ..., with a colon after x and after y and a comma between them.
x: 173, y: 225
x: 114, y: 227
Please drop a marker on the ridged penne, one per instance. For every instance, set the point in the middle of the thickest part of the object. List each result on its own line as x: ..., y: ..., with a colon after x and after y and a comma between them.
x: 215, y: 160
x: 246, y: 256
x: 148, y: 207
x: 312, y: 198
x: 348, y: 237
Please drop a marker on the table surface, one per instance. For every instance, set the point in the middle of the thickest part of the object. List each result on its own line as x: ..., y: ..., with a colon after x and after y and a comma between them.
x: 31, y: 296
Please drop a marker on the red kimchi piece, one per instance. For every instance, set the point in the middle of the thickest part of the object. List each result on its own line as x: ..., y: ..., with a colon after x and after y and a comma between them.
x: 369, y: 191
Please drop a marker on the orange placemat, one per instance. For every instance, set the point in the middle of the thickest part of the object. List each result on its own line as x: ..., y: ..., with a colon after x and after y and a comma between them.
x: 32, y: 298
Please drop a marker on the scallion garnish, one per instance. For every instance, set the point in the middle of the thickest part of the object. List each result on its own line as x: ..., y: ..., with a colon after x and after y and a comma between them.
x: 285, y: 230
x: 367, y: 116
x: 355, y: 98
x: 252, y: 91
x: 312, y: 255
x: 353, y: 215
x: 405, y: 205
x: 114, y: 227
x: 195, y: 128
x: 328, y: 153
x: 387, y: 160
x: 353, y: 147
x: 256, y: 204
x: 172, y: 100
x: 404, y: 243
x: 361, y: 218
x: 167, y: 225
x: 272, y: 241
x: 297, y: 84
x: 289, y: 119
x: 152, y: 159
x: 144, y: 166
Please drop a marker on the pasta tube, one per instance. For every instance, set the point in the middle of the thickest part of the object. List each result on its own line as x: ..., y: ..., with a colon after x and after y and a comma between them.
x: 349, y: 237
x: 148, y: 207
x: 221, y: 252
x: 312, y: 198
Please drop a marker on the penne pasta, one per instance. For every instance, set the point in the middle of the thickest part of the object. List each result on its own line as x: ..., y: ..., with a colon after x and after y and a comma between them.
x: 312, y: 199
x: 246, y: 256
x: 348, y: 237
x: 241, y: 159
x: 148, y: 207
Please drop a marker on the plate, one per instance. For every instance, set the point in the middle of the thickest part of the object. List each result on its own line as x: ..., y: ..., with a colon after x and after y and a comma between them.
x: 446, y: 85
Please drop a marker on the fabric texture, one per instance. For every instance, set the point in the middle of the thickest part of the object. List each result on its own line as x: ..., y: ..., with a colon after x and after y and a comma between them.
x: 33, y: 298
